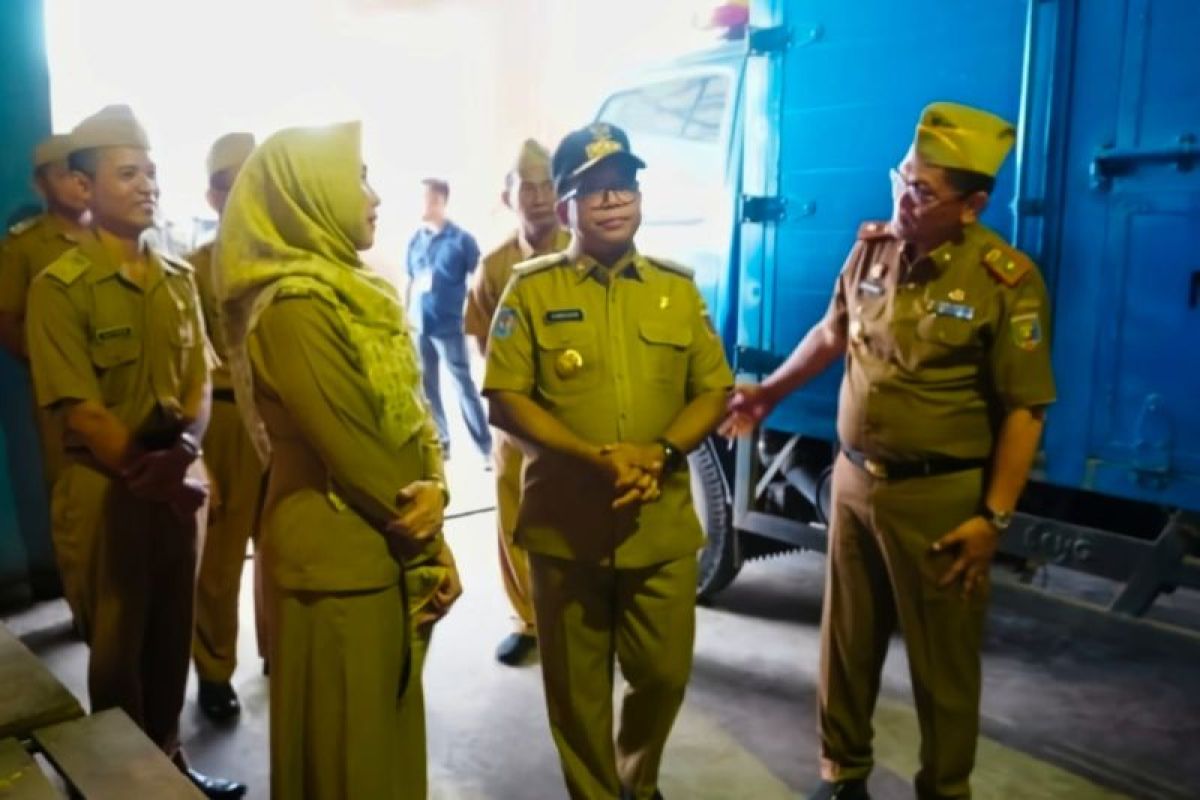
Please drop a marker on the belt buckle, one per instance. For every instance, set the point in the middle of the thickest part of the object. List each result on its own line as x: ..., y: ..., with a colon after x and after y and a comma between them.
x: 875, y: 469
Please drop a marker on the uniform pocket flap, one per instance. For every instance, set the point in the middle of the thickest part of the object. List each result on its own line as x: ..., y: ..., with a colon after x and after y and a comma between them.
x: 659, y: 332
x: 111, y: 352
x: 560, y: 337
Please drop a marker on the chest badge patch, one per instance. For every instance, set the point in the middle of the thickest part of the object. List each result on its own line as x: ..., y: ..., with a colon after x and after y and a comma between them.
x: 119, y: 332
x: 1026, y: 331
x: 956, y: 310
x: 565, y: 315
x: 506, y: 320
x: 957, y: 295
x: 568, y: 363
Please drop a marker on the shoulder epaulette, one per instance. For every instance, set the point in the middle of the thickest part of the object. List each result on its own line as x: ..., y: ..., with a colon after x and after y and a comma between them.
x: 69, y: 267
x: 178, y: 263
x: 540, y: 264
x: 671, y: 266
x: 870, y: 231
x: 1008, y: 264
x: 27, y: 224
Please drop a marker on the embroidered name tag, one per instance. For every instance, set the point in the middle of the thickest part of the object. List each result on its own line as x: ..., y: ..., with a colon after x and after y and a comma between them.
x: 956, y: 310
x: 565, y: 315
x: 871, y: 287
x: 119, y: 332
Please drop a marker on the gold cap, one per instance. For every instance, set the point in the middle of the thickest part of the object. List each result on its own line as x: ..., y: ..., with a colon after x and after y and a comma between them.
x: 55, y: 147
x: 231, y: 150
x: 111, y: 126
x: 961, y: 137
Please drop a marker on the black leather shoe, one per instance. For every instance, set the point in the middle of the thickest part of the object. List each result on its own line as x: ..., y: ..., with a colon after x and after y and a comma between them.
x: 215, y: 788
x: 218, y: 701
x: 515, y: 648
x: 841, y: 790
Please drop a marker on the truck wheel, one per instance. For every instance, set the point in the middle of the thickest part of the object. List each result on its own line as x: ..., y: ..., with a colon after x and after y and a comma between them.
x: 721, y: 558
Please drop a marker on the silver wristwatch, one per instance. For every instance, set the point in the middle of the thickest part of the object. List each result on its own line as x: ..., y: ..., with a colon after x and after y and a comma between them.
x: 1000, y: 520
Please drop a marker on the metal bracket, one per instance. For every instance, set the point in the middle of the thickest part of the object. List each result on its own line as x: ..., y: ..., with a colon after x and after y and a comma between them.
x: 763, y: 209
x: 765, y: 41
x: 1110, y: 162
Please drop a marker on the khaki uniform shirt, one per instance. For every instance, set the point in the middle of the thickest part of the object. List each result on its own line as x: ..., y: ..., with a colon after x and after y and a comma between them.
x: 95, y: 335
x: 202, y: 262
x: 940, y: 350
x: 615, y: 356
x: 29, y: 247
x: 333, y: 480
x: 496, y: 268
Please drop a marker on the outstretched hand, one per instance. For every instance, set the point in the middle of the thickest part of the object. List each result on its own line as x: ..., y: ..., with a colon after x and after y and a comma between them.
x: 748, y: 406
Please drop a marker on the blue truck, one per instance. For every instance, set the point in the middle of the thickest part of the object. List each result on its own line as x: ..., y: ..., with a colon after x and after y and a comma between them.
x: 768, y: 151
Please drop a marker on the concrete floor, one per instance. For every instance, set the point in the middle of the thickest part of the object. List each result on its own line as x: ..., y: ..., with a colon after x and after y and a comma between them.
x: 1064, y: 716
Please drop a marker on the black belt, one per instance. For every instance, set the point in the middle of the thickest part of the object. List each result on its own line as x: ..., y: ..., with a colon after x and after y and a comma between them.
x: 901, y: 470
x: 224, y: 395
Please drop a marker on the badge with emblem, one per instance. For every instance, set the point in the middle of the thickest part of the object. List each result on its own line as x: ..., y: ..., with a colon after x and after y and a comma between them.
x: 603, y: 144
x: 506, y: 320
x: 957, y: 295
x: 877, y: 271
x: 568, y: 363
x: 1026, y: 331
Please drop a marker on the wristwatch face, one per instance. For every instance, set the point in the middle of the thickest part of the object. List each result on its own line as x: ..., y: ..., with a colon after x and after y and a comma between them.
x: 1001, y: 519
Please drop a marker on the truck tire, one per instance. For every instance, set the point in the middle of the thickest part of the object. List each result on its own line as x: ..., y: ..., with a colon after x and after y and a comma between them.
x: 720, y: 559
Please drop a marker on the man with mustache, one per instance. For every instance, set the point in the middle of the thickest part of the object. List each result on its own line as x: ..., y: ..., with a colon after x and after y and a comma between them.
x: 603, y: 363
x: 943, y: 326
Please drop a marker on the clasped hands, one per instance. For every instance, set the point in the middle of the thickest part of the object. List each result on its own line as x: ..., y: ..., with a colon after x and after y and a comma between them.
x: 162, y: 475
x: 636, y: 471
x: 418, y: 521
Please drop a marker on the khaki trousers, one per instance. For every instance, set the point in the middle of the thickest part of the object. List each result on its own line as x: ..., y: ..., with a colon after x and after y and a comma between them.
x: 144, y: 590
x: 235, y: 469
x: 76, y: 501
x: 880, y: 574
x: 586, y: 615
x: 514, y: 561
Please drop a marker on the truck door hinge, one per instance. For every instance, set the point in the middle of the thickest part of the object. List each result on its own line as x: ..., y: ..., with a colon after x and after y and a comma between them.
x: 764, y: 41
x: 763, y: 209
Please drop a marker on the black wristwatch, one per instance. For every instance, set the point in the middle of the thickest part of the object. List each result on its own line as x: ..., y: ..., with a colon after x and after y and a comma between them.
x: 1000, y: 520
x: 673, y: 457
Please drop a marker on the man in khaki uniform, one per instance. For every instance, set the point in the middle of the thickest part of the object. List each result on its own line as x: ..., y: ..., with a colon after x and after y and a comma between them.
x: 118, y: 352
x: 603, y: 362
x: 29, y: 246
x: 529, y: 192
x: 944, y: 330
x: 232, y: 465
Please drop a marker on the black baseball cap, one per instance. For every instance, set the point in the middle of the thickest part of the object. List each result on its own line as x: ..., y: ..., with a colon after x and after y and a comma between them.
x: 583, y: 149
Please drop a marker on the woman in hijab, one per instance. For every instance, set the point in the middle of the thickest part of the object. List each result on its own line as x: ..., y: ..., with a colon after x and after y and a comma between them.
x: 327, y: 379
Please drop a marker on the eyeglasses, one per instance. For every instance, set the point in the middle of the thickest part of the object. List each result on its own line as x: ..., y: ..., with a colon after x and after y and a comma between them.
x: 921, y: 194
x: 617, y: 190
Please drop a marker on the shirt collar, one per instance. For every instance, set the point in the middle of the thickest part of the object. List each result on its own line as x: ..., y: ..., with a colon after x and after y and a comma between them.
x: 105, y: 264
x: 630, y: 265
x: 560, y: 241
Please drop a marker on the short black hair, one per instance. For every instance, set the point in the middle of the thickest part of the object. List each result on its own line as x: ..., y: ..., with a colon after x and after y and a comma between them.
x: 967, y: 182
x: 439, y: 186
x: 86, y: 161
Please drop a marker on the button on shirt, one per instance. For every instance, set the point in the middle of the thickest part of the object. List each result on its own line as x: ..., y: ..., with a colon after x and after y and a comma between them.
x: 438, y: 265
x: 615, y: 355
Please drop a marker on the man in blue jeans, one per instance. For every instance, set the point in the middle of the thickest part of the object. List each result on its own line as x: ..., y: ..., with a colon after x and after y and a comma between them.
x: 440, y: 257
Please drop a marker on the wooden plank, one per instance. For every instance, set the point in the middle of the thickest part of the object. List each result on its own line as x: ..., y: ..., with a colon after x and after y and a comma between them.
x: 107, y: 757
x: 30, y: 695
x: 20, y: 776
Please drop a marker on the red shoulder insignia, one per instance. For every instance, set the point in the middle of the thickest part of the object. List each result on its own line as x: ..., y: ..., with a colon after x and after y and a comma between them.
x: 869, y: 231
x: 1008, y: 264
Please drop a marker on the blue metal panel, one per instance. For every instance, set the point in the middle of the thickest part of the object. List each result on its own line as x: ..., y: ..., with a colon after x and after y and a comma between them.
x: 843, y: 100
x: 1128, y: 293
x: 24, y: 119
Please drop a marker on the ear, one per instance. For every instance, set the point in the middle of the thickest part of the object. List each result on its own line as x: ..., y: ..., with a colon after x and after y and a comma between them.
x: 974, y: 206
x: 216, y: 200
x: 563, y: 209
x: 506, y: 198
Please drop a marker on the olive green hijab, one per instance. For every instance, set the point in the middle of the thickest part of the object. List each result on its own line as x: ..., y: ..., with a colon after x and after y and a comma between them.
x: 291, y: 222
